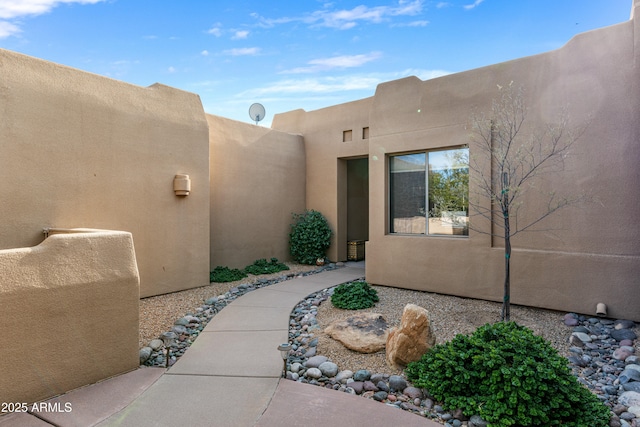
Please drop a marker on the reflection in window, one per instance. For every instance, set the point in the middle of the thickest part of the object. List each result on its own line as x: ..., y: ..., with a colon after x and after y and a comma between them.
x: 429, y: 192
x: 407, y: 198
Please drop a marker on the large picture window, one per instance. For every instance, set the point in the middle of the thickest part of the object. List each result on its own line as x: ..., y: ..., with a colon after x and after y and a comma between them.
x: 429, y: 192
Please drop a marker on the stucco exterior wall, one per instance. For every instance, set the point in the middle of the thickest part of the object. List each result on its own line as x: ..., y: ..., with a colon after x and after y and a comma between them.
x: 326, y: 155
x: 592, y: 253
x: 257, y: 183
x: 80, y: 150
x: 69, y: 314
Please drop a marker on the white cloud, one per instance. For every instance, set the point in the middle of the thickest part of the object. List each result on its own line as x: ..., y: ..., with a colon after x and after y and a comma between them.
x: 17, y: 8
x: 12, y: 9
x: 215, y: 30
x: 7, y: 29
x: 344, y: 61
x: 336, y: 84
x: 204, y: 53
x: 242, y: 51
x: 240, y: 35
x: 473, y: 5
x: 314, y: 85
x: 171, y: 70
x: 344, y: 19
x: 418, y: 24
x: 422, y: 23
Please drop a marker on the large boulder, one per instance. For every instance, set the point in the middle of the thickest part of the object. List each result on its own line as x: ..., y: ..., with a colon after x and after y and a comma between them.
x: 412, y: 339
x: 363, y: 332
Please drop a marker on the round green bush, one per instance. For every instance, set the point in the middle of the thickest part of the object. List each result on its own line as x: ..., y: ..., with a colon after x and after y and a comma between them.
x: 310, y: 237
x: 354, y: 296
x: 508, y: 376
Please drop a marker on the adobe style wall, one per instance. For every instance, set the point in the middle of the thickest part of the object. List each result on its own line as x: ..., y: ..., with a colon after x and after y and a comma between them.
x: 591, y: 256
x: 326, y: 155
x: 80, y: 150
x: 69, y: 313
x: 257, y: 183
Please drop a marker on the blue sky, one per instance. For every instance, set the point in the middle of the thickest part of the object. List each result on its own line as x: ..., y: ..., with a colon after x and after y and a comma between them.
x: 291, y: 54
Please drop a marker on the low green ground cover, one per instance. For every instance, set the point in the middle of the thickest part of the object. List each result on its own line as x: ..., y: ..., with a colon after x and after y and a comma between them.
x: 261, y: 266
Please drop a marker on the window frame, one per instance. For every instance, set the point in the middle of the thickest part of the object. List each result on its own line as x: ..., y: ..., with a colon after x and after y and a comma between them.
x: 389, y: 218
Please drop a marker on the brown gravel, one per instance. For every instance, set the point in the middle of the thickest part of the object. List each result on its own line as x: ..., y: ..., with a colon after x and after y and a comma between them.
x: 449, y: 315
x: 158, y: 313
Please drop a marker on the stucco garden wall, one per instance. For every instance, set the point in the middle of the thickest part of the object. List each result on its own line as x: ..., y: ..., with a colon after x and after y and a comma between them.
x: 69, y: 314
x: 80, y: 150
x: 580, y: 256
x: 257, y: 183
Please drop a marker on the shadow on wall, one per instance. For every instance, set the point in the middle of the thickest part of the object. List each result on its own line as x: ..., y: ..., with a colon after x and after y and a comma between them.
x: 67, y: 304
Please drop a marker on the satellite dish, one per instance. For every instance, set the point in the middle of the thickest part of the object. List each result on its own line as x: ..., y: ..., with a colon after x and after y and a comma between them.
x: 256, y: 112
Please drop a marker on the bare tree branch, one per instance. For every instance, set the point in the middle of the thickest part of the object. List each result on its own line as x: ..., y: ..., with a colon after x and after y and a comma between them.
x: 507, y: 160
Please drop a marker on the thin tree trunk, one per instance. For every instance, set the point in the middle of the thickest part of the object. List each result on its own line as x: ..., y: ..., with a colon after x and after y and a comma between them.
x: 506, y: 303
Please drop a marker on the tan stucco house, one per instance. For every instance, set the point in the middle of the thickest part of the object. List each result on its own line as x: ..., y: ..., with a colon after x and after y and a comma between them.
x: 186, y: 191
x: 581, y: 256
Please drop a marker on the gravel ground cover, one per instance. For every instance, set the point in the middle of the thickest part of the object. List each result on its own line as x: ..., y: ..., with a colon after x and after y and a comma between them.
x: 449, y: 315
x: 157, y: 314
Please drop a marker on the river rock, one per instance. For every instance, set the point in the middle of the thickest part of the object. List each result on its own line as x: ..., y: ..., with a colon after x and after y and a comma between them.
x: 629, y: 375
x: 582, y: 336
x: 624, y: 324
x: 362, y: 375
x: 329, y: 369
x: 629, y: 398
x: 315, y: 361
x: 145, y: 353
x: 477, y: 421
x: 571, y: 319
x: 343, y: 376
x: 314, y: 373
x: 622, y: 353
x: 632, y: 386
x: 413, y: 392
x: 156, y: 344
x: 623, y: 334
x: 397, y: 383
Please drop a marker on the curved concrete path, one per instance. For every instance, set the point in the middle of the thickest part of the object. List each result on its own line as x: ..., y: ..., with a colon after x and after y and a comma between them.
x: 230, y: 376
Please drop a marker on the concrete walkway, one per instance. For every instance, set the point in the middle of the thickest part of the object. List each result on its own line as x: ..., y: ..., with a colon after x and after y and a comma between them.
x: 230, y: 376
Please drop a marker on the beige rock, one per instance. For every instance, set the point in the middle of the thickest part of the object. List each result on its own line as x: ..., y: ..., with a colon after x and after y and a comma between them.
x: 364, y: 332
x: 413, y: 339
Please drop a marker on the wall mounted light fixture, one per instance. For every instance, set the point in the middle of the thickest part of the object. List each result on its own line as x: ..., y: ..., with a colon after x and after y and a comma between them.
x: 182, y: 184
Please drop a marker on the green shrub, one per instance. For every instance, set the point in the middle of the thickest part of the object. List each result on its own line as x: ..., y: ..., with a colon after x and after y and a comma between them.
x: 354, y: 296
x: 310, y: 237
x: 262, y: 266
x: 226, y: 274
x: 508, y: 376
